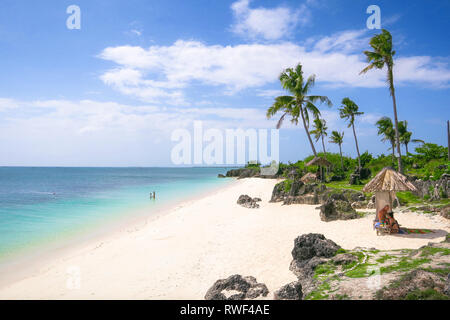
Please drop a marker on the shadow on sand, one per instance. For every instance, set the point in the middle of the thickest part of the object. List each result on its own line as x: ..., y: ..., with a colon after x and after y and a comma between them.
x: 435, y: 233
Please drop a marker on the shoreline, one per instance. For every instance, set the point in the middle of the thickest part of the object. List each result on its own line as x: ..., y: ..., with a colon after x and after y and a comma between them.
x: 86, y: 239
x: 180, y: 253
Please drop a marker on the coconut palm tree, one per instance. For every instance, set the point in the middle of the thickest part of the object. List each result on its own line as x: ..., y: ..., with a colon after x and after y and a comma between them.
x: 349, y: 110
x: 299, y: 103
x: 381, y: 56
x: 386, y: 130
x: 405, y: 135
x: 338, y: 138
x: 320, y: 131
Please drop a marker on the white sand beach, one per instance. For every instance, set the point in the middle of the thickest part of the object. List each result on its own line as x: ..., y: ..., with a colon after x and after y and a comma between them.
x: 180, y: 254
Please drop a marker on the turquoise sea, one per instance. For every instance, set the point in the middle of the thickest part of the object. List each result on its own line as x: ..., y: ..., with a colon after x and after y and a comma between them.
x: 42, y: 207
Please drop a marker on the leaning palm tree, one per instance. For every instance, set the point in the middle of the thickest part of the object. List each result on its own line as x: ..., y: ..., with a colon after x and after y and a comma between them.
x: 386, y: 130
x: 320, y: 131
x: 381, y: 56
x: 299, y: 103
x: 405, y: 135
x: 349, y: 110
x: 338, y: 138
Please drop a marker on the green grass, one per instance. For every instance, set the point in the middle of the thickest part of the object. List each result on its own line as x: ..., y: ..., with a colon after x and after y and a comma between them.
x: 440, y: 271
x: 349, y: 265
x: 405, y: 264
x: 345, y: 185
x: 384, y: 258
x: 360, y: 271
x: 406, y: 197
x: 324, y: 269
x: 339, y: 251
x: 320, y: 293
x: 287, y: 184
x: 427, y: 251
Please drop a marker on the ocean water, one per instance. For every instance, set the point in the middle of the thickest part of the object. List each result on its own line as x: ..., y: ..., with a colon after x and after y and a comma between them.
x: 49, y: 206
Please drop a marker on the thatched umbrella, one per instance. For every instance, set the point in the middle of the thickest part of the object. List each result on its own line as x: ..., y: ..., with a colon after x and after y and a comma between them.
x: 389, y: 180
x: 321, y: 162
x: 385, y: 184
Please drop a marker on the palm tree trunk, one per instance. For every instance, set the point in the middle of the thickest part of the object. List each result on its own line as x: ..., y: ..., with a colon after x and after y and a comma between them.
x: 357, y: 147
x: 342, y: 161
x: 448, y: 140
x: 323, y: 146
x: 393, y: 151
x: 406, y: 147
x: 397, y: 136
x: 307, y: 132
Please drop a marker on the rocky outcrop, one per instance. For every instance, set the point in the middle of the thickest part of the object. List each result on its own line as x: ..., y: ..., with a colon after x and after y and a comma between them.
x: 447, y: 286
x: 220, y: 176
x: 412, y: 286
x: 298, y: 192
x: 360, y: 204
x: 344, y: 259
x: 248, y: 202
x: 445, y: 211
x: 337, y: 210
x: 325, y: 271
x: 435, y: 190
x: 243, y: 172
x: 290, y: 192
x: 236, y: 287
x: 290, y: 291
x: 310, y: 250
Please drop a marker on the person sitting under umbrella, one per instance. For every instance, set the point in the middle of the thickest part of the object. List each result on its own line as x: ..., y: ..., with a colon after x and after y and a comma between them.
x: 382, y: 213
x: 387, y: 216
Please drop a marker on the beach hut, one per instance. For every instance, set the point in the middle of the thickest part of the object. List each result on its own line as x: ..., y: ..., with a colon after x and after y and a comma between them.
x: 321, y: 162
x: 385, y: 184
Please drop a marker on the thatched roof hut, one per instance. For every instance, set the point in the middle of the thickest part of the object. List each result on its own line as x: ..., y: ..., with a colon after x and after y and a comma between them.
x: 389, y: 180
x: 318, y: 161
x: 385, y: 184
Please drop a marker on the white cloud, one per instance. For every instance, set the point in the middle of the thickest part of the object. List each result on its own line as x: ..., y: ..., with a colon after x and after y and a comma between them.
x: 55, y: 132
x: 269, y: 24
x: 7, y: 104
x: 164, y: 73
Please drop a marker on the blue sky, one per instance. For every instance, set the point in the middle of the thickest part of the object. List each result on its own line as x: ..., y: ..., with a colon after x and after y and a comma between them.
x: 111, y: 93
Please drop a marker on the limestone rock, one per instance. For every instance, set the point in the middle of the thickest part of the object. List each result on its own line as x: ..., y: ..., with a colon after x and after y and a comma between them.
x: 238, y: 287
x: 290, y: 291
x: 247, y: 201
x: 337, y: 210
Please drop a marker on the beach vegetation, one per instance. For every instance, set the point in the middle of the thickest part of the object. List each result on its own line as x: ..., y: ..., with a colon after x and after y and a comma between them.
x: 404, y: 264
x: 338, y: 138
x: 427, y: 294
